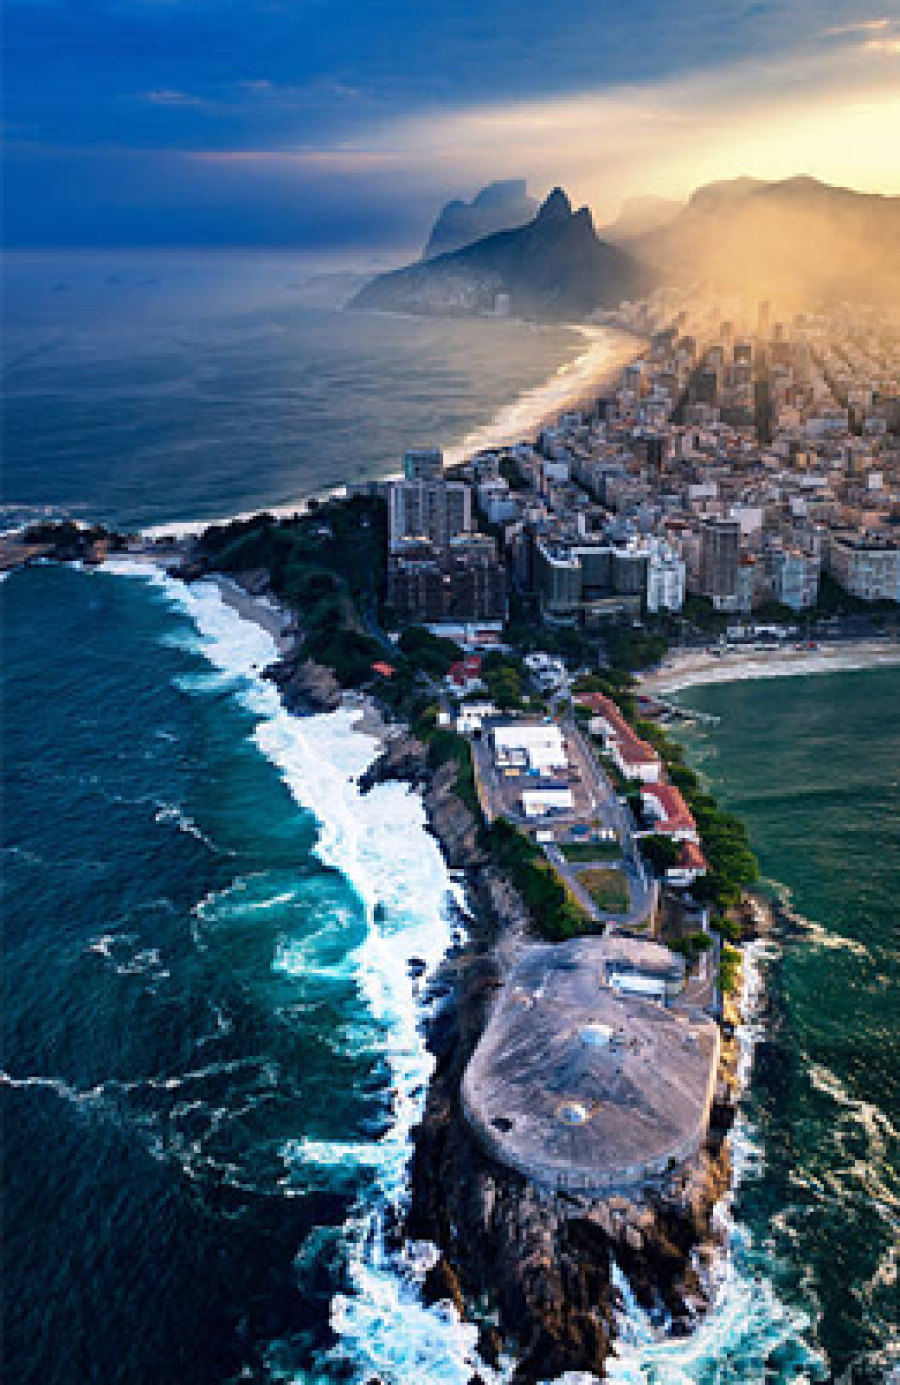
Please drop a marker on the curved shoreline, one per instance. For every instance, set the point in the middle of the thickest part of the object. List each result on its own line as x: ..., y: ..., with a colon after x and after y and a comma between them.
x: 680, y: 671
x: 608, y: 349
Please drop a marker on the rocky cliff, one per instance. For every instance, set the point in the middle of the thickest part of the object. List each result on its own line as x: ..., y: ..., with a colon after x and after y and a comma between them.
x: 501, y: 206
x: 534, y: 1269
x: 555, y: 268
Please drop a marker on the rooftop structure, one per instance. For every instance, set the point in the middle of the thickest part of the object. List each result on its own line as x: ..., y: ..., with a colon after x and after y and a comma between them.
x: 634, y: 758
x: 670, y: 814
x: 539, y: 745
x: 583, y: 1087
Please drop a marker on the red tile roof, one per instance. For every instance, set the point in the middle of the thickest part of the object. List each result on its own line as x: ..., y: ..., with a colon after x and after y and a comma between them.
x: 677, y: 816
x: 632, y: 749
x: 692, y: 858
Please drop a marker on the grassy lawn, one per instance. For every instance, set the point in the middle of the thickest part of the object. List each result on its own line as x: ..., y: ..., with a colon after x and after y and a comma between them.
x: 607, y: 888
x: 591, y: 851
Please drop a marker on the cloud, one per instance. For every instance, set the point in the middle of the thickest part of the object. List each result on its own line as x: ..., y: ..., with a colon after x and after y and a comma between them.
x: 180, y: 100
x: 889, y: 47
x: 859, y: 26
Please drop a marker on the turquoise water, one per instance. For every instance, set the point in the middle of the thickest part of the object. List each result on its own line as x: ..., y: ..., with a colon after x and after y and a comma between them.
x: 212, y: 1045
x: 812, y: 765
x: 212, y: 1057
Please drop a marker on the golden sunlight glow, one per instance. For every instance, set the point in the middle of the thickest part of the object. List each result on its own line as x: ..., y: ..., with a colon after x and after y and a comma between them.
x: 834, y: 116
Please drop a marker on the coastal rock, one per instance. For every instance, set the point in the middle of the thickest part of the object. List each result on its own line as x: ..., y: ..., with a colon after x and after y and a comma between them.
x: 540, y: 1262
x: 404, y: 758
x: 451, y: 822
x: 305, y: 686
x: 442, y: 1285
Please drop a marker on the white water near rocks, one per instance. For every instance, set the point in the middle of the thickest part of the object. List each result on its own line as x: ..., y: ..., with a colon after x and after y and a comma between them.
x: 379, y: 843
x: 747, y: 1325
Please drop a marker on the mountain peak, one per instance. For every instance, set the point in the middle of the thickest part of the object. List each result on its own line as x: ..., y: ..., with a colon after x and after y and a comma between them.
x: 501, y: 206
x: 557, y: 205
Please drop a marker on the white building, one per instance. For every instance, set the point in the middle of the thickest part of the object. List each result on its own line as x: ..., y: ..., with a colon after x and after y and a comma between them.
x: 666, y: 578
x: 540, y: 803
x: 538, y: 746
x: 866, y: 567
x: 472, y: 715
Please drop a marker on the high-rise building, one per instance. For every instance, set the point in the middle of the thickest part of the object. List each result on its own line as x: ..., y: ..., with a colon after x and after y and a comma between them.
x: 720, y: 547
x: 423, y: 464
x: 433, y: 510
x: 866, y: 566
x: 461, y: 583
x: 666, y: 576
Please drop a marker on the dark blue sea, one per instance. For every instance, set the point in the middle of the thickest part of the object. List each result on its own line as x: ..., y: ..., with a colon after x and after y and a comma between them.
x: 148, y: 389
x: 212, y: 1052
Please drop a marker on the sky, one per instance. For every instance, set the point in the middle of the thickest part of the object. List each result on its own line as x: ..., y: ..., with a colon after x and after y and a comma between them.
x: 344, y: 124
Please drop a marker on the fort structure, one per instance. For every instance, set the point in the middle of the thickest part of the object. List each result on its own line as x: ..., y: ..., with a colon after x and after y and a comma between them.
x: 586, y: 1079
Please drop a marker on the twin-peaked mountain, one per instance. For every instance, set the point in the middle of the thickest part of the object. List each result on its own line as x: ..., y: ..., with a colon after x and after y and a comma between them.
x: 798, y: 241
x: 553, y: 268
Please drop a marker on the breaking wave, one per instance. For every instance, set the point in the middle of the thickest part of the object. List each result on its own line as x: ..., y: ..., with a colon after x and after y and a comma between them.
x: 379, y: 843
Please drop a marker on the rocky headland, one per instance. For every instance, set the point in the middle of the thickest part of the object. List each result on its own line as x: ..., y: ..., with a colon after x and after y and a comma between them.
x: 535, y: 1268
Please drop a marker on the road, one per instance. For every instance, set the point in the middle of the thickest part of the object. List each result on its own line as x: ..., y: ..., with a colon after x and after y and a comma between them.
x: 641, y: 889
x: 604, y: 806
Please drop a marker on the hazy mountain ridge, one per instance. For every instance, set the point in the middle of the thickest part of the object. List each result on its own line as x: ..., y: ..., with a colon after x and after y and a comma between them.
x: 501, y: 206
x: 554, y: 268
x: 639, y: 215
x: 798, y: 238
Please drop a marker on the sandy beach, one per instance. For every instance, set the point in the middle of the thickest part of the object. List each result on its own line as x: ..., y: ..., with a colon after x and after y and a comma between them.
x: 694, y: 668
x: 575, y: 383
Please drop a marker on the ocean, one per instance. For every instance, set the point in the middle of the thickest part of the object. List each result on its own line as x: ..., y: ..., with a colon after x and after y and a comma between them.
x: 213, y: 1053
x: 212, y: 1045
x: 812, y: 766
x: 142, y: 390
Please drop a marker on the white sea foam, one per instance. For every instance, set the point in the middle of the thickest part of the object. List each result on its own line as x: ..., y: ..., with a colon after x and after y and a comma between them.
x: 747, y: 1323
x: 379, y: 843
x: 171, y: 813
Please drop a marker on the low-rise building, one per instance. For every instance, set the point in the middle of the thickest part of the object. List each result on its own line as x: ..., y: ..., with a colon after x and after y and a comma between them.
x: 633, y: 758
x: 664, y: 805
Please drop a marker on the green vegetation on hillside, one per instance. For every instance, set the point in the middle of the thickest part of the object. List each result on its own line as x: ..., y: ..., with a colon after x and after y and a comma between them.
x: 328, y: 566
x: 691, y: 946
x: 629, y: 650
x: 732, y: 864
x: 504, y: 680
x: 729, y: 969
x: 554, y: 912
x: 430, y: 653
x: 662, y: 853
